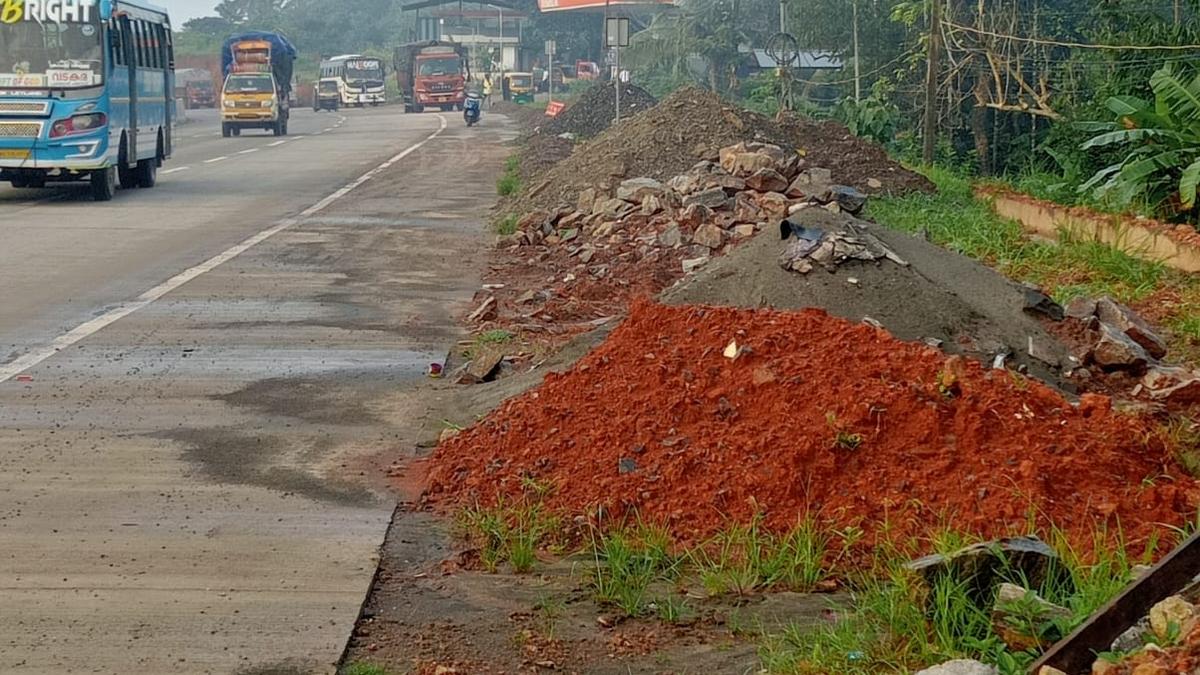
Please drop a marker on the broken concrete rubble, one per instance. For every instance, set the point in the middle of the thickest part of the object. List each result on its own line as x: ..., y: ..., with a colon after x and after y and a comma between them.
x: 1122, y: 318
x: 1117, y: 351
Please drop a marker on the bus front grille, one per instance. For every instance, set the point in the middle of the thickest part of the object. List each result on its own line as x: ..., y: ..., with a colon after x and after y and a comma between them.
x: 23, y: 108
x: 20, y: 129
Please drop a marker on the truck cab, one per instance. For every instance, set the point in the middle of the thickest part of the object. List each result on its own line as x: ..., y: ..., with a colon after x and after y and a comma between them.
x: 253, y: 101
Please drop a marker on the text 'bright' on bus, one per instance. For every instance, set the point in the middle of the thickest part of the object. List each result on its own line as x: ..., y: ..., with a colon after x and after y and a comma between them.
x: 359, y: 78
x: 86, y: 93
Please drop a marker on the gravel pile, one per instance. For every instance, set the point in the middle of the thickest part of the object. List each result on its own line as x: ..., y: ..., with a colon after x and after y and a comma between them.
x: 594, y: 111
x: 690, y: 125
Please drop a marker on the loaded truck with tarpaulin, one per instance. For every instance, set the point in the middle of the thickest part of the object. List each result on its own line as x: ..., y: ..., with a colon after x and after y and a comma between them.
x: 257, y: 67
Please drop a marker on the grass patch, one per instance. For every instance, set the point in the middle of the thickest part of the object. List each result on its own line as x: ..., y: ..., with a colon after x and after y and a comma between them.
x: 510, y: 183
x: 955, y: 219
x: 747, y: 558
x: 510, y: 534
x: 626, y: 564
x: 900, y: 622
x: 506, y: 225
x: 359, y: 668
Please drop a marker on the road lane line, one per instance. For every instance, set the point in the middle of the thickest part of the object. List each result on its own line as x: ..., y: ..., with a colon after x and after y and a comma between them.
x: 176, y: 170
x: 88, y: 328
x: 246, y: 152
x: 271, y: 145
x: 215, y: 159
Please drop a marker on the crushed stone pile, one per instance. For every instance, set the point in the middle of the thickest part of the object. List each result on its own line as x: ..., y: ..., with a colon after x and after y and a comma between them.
x: 690, y: 125
x: 595, y: 110
x: 693, y: 416
x: 936, y: 296
x: 563, y: 270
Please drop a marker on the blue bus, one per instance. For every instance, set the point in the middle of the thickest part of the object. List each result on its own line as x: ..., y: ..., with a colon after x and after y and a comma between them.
x: 86, y: 93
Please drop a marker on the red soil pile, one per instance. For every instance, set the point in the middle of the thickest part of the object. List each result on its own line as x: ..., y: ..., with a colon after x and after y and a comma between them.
x: 816, y: 415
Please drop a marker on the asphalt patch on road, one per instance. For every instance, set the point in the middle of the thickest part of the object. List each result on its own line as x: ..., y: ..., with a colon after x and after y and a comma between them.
x: 232, y: 456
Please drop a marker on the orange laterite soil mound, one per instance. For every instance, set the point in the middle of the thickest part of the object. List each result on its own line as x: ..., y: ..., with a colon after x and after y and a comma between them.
x: 814, y: 416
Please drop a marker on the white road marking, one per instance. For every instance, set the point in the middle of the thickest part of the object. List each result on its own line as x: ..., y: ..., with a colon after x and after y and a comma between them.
x: 176, y: 170
x: 215, y: 159
x: 271, y: 145
x: 246, y: 152
x: 327, y: 129
x: 88, y: 328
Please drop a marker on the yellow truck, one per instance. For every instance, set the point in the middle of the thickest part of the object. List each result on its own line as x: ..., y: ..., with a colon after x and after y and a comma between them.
x: 258, y: 79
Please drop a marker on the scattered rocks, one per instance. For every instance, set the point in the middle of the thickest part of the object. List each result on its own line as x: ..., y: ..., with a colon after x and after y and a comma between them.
x: 709, y: 235
x: 1117, y: 351
x: 713, y: 198
x: 961, y: 667
x: 1122, y: 318
x: 1024, y: 620
x: 1169, y: 616
x: 1037, y: 302
x: 484, y: 312
x: 767, y: 180
x: 671, y: 237
x: 635, y: 190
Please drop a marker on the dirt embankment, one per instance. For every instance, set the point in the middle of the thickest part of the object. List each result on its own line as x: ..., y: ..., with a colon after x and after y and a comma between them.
x: 693, y: 124
x: 693, y: 416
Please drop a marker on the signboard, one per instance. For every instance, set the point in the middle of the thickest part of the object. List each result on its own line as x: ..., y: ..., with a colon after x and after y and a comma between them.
x: 616, y: 32
x: 563, y: 5
x: 551, y: 47
x: 46, y: 11
x: 72, y: 78
x: 553, y: 108
x: 22, y: 80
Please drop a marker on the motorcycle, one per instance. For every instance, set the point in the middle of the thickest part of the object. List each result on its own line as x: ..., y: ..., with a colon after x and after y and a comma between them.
x: 472, y: 108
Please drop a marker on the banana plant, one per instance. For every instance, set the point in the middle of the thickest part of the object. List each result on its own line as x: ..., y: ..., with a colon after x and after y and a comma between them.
x: 1162, y: 138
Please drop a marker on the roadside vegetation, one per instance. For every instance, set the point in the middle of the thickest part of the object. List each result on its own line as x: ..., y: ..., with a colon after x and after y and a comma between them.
x: 957, y: 219
x: 882, y: 616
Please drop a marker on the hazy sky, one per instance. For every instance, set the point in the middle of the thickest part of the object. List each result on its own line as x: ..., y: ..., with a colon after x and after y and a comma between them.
x: 182, y: 10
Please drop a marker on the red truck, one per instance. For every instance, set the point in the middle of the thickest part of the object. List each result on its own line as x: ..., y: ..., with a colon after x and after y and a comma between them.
x: 431, y: 73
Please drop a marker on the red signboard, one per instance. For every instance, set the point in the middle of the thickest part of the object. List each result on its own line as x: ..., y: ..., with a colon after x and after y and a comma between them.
x: 562, y: 5
x: 553, y: 108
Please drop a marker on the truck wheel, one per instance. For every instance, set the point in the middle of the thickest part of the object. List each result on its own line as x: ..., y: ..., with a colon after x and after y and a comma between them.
x: 147, y: 173
x: 35, y: 182
x: 225, y: 131
x: 20, y: 182
x: 237, y: 131
x: 104, y: 183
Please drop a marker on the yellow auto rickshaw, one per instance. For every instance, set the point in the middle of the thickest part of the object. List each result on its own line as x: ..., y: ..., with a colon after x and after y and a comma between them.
x: 520, y: 87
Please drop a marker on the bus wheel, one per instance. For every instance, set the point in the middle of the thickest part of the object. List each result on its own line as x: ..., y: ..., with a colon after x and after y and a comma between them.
x: 147, y: 173
x: 104, y: 183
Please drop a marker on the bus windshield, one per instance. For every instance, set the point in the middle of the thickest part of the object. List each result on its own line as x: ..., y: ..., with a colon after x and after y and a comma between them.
x: 50, y: 55
x: 370, y: 70
x: 249, y: 84
x: 440, y: 67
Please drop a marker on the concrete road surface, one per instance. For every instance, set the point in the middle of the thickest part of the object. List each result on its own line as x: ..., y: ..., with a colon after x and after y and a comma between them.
x: 193, y: 379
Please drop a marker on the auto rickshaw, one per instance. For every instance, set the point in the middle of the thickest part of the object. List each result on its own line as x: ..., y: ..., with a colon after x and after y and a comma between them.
x: 326, y: 95
x: 520, y: 87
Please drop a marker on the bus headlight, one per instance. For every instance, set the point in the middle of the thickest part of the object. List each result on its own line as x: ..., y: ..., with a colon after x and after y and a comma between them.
x: 78, y: 124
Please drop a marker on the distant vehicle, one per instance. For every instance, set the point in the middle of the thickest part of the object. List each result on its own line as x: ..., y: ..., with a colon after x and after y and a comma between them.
x: 86, y: 93
x: 431, y: 73
x: 472, y: 108
x: 326, y: 95
x: 520, y: 87
x: 587, y: 70
x: 258, y: 83
x: 194, y: 86
x: 359, y: 78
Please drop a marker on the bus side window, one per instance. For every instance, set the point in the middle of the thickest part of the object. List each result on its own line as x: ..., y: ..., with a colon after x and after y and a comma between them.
x: 139, y: 37
x: 170, y: 42
x: 154, y: 44
x: 114, y: 41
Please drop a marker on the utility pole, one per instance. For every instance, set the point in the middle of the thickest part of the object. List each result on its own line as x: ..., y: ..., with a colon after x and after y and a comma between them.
x: 929, y: 127
x: 857, y: 68
x: 782, y: 16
